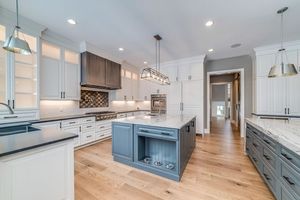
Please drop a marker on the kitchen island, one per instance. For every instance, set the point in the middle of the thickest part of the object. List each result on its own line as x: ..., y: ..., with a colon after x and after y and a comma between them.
x: 158, y: 144
x: 36, y: 164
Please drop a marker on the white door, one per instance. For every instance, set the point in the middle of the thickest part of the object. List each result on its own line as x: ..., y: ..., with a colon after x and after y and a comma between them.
x: 293, y: 94
x: 50, y: 72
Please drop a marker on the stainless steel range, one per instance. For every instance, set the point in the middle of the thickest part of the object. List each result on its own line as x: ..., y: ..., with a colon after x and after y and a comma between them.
x: 105, y: 115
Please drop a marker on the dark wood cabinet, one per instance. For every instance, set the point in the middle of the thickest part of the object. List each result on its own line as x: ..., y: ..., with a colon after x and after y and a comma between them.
x: 113, y: 74
x: 99, y: 72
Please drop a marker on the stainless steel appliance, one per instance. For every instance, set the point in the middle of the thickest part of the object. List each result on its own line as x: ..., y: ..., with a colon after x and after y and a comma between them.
x: 105, y: 115
x: 159, y: 103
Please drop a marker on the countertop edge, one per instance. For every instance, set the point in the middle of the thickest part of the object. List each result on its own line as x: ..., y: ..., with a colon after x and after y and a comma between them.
x: 37, y: 146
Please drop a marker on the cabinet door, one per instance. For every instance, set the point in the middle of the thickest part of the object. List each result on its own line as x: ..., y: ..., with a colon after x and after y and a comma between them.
x: 25, y: 78
x: 113, y: 74
x: 263, y: 105
x: 293, y: 94
x: 122, y: 141
x: 264, y: 64
x: 144, y: 90
x: 174, y: 94
x: 278, y: 95
x: 74, y: 130
x: 127, y: 90
x: 134, y: 86
x: 71, y: 82
x: 192, y: 89
x: 50, y: 72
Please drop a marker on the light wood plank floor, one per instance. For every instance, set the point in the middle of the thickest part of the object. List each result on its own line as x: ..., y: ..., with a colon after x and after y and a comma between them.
x: 218, y: 170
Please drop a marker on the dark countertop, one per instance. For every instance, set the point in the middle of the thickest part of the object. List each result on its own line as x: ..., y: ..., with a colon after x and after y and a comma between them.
x: 12, y: 144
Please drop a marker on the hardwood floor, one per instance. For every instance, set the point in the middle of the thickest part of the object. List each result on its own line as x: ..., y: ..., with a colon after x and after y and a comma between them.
x: 218, y: 170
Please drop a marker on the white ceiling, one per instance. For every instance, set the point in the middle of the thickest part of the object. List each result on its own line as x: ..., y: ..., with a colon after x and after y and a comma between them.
x: 131, y: 24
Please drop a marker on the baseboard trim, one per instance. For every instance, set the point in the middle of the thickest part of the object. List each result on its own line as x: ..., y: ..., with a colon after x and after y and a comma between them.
x: 206, y: 131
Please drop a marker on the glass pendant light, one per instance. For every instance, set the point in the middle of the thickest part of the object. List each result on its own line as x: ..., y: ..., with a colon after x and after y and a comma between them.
x: 14, y: 43
x: 152, y: 74
x: 283, y: 69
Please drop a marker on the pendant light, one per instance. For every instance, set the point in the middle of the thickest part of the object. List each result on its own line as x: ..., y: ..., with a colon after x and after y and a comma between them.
x: 152, y: 74
x: 14, y: 43
x: 283, y: 68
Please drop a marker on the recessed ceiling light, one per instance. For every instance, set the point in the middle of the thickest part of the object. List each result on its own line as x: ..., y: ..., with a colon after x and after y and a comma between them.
x: 145, y: 62
x: 210, y: 50
x: 72, y: 21
x: 236, y: 45
x: 209, y: 23
x: 121, y: 49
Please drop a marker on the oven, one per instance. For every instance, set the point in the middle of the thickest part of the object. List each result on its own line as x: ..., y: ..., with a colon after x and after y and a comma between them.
x: 159, y: 103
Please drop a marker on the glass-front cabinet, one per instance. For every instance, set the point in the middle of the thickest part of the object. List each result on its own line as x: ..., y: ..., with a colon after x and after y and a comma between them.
x: 19, y: 80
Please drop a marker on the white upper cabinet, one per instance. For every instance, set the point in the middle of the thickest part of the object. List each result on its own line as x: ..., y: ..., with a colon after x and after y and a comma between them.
x: 18, y: 78
x: 190, y: 71
x: 279, y: 95
x: 60, y: 73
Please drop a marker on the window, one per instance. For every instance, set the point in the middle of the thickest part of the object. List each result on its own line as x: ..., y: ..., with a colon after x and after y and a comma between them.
x: 220, y: 110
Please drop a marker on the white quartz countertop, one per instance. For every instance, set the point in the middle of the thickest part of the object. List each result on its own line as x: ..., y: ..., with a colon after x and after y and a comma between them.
x: 166, y: 121
x: 284, y: 132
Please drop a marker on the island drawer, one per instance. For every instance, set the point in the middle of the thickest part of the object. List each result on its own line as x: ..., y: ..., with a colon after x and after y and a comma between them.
x: 158, y: 132
x: 256, y: 144
x: 272, y: 144
x: 290, y: 157
x: 286, y: 195
x: 270, y: 158
x: 290, y: 177
x: 270, y: 178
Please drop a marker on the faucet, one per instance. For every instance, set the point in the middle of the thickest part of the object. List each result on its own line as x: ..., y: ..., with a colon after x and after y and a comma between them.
x: 9, y: 108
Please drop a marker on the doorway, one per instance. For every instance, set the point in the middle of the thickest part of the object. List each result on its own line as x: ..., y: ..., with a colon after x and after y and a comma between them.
x: 225, y: 100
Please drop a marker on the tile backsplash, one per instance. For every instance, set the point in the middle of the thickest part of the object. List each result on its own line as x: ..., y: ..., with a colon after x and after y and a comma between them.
x: 94, y: 99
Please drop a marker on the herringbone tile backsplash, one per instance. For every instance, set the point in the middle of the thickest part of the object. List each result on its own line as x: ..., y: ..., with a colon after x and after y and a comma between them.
x: 93, y: 99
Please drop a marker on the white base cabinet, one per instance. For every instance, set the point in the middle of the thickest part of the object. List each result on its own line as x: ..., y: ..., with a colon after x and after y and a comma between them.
x: 45, y: 173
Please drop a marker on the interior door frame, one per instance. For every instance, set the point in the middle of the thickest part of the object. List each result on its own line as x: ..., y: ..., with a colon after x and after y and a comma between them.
x: 242, y: 85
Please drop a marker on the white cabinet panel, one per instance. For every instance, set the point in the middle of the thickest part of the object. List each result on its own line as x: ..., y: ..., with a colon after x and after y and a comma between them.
x: 174, y: 94
x: 74, y: 130
x: 277, y: 95
x: 72, y: 81
x: 293, y: 95
x: 264, y: 64
x: 263, y: 105
x: 53, y: 126
x: 190, y: 71
x: 192, y: 92
x: 50, y: 79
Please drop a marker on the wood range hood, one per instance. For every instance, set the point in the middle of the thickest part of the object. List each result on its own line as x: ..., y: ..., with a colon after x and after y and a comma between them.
x: 98, y: 72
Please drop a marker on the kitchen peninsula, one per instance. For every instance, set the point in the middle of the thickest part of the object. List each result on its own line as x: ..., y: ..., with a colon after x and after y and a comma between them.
x: 158, y: 144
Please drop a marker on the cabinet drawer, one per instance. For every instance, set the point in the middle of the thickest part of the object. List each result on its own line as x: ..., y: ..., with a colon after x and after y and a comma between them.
x: 290, y: 177
x: 256, y: 159
x: 100, y: 127
x: 256, y: 132
x: 290, y: 157
x: 270, y: 178
x: 157, y: 132
x: 285, y: 195
x: 270, y: 158
x: 71, y: 122
x: 269, y: 142
x: 87, y: 137
x: 87, y: 120
x: 88, y: 127
x: 256, y: 144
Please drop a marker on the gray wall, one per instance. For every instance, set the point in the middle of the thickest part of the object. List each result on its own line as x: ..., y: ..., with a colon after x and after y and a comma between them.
x: 227, y: 64
x: 218, y: 93
x: 222, y: 78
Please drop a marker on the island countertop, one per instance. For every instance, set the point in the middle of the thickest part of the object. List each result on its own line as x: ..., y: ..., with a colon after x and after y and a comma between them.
x: 166, y: 121
x: 11, y: 144
x: 285, y: 132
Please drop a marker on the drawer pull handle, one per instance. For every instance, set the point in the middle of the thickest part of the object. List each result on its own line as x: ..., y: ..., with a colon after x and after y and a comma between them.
x: 102, y: 126
x: 255, y: 132
x: 247, y: 149
x: 89, y: 127
x: 254, y: 144
x: 267, y: 157
x: 266, y: 141
x: 266, y: 176
x: 164, y: 133
x: 286, y: 156
x: 248, y: 136
x: 10, y: 117
x: 254, y: 159
x: 72, y: 122
x: 145, y: 131
x: 288, y: 180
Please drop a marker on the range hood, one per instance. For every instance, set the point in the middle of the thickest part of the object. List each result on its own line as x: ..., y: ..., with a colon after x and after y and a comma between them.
x: 98, y: 72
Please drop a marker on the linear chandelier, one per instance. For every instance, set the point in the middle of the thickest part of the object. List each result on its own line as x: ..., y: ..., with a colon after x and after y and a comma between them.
x: 154, y: 75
